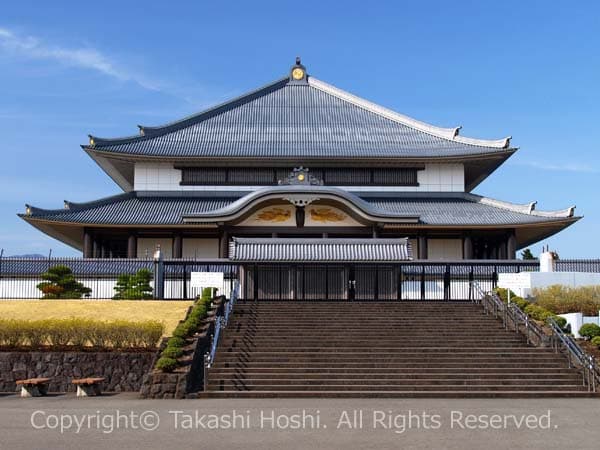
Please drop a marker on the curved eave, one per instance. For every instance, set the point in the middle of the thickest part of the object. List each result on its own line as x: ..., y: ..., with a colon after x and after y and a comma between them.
x: 243, y: 205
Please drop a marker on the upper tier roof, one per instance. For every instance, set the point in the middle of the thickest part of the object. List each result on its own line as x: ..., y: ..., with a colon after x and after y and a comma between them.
x: 298, y: 119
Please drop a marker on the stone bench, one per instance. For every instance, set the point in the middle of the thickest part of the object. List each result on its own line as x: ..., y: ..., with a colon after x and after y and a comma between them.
x: 33, y: 387
x: 88, y: 387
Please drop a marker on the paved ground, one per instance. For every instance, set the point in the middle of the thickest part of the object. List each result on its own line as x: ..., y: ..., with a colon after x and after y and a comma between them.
x: 117, y: 422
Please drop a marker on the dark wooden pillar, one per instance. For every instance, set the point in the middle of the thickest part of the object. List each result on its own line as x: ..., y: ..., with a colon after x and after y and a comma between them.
x: 132, y: 246
x: 502, y: 250
x: 467, y: 247
x: 511, y: 246
x: 104, y: 250
x: 422, y: 247
x: 493, y: 251
x: 95, y: 248
x: 88, y: 245
x: 224, y: 245
x: 177, y: 246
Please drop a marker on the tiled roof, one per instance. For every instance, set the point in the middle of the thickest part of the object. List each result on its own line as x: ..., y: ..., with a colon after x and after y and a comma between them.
x: 305, y: 120
x: 169, y: 208
x: 269, y: 249
x: 101, y: 267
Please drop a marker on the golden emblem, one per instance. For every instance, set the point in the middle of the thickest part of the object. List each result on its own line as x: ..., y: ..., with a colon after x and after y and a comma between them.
x: 326, y: 215
x: 274, y: 215
x: 297, y: 73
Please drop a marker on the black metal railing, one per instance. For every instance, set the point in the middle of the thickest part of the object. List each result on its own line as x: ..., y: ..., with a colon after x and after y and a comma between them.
x: 578, y: 265
x: 410, y: 281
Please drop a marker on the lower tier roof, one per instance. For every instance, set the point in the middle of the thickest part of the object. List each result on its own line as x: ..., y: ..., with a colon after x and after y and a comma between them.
x: 172, y: 208
x: 407, y: 212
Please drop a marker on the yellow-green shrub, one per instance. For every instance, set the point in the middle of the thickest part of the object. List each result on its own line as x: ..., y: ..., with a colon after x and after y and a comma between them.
x: 80, y: 333
x: 564, y: 299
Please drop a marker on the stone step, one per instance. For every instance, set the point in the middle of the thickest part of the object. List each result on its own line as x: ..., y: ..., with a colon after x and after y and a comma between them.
x: 400, y: 371
x: 392, y: 382
x: 378, y: 375
x: 415, y: 393
x: 395, y: 387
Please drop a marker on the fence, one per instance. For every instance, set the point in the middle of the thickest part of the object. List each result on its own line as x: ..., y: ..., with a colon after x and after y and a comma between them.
x: 19, y: 277
x: 578, y: 265
x: 415, y: 280
x: 373, y: 281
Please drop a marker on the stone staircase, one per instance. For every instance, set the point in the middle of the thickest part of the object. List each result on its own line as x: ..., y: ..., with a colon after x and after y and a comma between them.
x: 381, y: 349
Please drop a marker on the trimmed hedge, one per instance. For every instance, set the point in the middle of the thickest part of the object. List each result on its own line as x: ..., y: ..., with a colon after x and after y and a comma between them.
x: 174, y: 349
x: 533, y: 310
x: 117, y: 334
x: 589, y: 330
x: 596, y: 341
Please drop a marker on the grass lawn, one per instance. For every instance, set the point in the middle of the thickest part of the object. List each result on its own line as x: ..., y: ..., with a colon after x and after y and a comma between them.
x: 169, y: 313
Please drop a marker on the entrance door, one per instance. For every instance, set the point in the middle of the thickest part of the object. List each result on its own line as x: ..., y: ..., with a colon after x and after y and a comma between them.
x: 351, y: 283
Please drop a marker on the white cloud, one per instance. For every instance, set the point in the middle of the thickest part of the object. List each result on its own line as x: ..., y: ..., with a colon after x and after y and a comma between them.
x: 577, y: 168
x: 86, y: 58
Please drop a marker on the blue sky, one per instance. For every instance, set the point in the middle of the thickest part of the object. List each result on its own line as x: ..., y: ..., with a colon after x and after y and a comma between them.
x: 527, y: 69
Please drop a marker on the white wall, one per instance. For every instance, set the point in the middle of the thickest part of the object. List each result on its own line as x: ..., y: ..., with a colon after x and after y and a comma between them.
x: 149, y: 245
x: 156, y: 177
x: 200, y: 248
x: 444, y: 249
x: 435, y: 178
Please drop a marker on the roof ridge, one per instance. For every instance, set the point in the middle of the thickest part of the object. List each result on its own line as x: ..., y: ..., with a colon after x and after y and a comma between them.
x: 450, y: 134
x: 149, y: 132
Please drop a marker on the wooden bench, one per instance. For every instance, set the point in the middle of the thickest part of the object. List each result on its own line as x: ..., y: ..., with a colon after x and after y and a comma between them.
x: 88, y: 387
x: 33, y: 387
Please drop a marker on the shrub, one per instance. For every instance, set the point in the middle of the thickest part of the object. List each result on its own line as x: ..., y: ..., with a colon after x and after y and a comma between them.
x: 172, y: 352
x: 596, y: 341
x: 11, y: 333
x: 520, y: 302
x: 59, y: 331
x: 563, y: 299
x: 60, y: 283
x: 166, y: 364
x: 503, y: 294
x: 134, y: 287
x: 538, y: 313
x: 561, y: 322
x: 589, y: 330
x: 176, y: 342
x: 168, y: 360
x: 80, y: 333
x: 147, y: 334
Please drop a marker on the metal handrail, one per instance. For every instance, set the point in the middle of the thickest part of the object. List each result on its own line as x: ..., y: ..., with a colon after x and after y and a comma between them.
x: 512, y: 313
x: 221, y: 322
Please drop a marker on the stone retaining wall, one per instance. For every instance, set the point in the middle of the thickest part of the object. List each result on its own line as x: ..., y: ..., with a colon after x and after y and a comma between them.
x: 123, y: 371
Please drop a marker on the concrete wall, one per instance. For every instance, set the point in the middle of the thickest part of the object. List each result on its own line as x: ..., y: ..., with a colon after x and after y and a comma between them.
x: 444, y: 249
x: 435, y: 178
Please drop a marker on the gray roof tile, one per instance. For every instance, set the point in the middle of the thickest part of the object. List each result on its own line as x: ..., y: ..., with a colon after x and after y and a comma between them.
x: 269, y: 249
x: 169, y: 208
x: 310, y: 120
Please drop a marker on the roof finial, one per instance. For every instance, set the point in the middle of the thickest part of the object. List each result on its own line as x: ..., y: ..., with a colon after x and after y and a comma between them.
x: 298, y: 62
